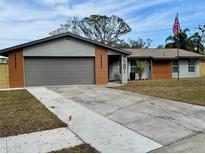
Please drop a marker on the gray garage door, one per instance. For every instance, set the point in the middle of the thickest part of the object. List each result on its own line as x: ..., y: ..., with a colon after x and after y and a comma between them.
x: 59, y: 71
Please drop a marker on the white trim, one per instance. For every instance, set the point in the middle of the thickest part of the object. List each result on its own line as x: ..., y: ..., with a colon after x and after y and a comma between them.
x: 8, y: 89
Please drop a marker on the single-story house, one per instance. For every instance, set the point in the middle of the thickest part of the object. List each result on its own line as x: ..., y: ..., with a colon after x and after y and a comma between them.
x: 64, y: 59
x: 70, y: 59
x: 163, y: 63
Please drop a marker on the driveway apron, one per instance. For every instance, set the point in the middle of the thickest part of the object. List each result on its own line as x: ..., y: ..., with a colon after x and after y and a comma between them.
x: 102, y: 133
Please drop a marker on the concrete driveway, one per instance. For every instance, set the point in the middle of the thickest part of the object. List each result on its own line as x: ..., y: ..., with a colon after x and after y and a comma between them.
x: 178, y: 126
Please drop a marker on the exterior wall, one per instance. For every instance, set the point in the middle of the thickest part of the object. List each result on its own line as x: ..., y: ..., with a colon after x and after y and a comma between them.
x: 4, y: 79
x: 16, y: 69
x: 161, y: 69
x: 101, y: 65
x: 61, y: 48
x: 145, y: 75
x: 183, y: 70
x: 202, y: 68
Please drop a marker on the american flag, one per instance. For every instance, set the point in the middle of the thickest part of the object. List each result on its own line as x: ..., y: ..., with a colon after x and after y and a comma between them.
x: 176, y: 26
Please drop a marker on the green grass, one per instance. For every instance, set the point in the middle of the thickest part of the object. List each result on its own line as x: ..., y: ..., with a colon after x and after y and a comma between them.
x: 83, y: 148
x: 20, y: 112
x: 185, y: 90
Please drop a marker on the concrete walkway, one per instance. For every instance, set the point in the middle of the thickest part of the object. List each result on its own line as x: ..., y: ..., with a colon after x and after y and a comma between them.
x: 103, y: 134
x: 38, y: 142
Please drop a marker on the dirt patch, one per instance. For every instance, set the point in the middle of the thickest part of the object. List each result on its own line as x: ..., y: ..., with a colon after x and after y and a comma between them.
x: 83, y: 148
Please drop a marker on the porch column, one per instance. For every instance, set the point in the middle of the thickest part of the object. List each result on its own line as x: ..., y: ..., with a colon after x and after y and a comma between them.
x: 123, y: 69
x: 151, y: 69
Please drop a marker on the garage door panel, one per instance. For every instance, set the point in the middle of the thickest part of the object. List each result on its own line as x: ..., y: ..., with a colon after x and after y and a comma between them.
x: 59, y: 71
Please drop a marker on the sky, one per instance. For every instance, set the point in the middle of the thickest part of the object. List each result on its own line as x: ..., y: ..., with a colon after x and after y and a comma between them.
x: 27, y: 20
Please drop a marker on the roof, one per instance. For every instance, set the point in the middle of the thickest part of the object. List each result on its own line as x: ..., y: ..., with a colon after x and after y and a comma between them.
x: 46, y: 39
x: 162, y: 53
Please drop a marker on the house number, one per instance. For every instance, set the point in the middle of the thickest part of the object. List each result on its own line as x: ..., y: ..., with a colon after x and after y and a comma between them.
x: 124, y: 64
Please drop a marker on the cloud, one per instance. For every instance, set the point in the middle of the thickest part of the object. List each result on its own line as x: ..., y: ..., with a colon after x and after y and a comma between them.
x: 24, y: 20
x: 53, y: 2
x: 160, y: 20
x: 18, y: 33
x: 23, y: 13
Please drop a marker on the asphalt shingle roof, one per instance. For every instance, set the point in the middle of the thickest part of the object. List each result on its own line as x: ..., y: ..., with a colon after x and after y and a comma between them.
x: 66, y: 35
x: 162, y: 53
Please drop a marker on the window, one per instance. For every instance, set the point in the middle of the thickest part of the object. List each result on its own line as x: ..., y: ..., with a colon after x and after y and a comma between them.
x: 133, y: 66
x: 175, y: 66
x: 191, y: 65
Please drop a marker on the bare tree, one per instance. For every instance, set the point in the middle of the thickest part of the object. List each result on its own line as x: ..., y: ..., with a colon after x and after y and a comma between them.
x: 201, y: 32
x: 104, y: 29
x: 73, y: 25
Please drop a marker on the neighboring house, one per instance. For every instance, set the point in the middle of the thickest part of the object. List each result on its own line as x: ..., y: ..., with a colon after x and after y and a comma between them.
x: 202, y: 67
x: 163, y: 63
x: 64, y: 59
x: 3, y: 60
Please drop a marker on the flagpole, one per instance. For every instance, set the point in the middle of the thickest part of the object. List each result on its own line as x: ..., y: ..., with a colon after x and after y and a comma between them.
x: 178, y: 55
x: 178, y: 51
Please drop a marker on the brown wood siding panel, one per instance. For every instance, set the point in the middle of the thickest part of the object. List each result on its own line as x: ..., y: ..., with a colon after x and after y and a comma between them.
x: 101, y: 65
x: 16, y: 69
x: 162, y: 70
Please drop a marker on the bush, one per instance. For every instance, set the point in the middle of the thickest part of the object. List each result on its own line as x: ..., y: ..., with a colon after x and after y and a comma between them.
x: 140, y: 67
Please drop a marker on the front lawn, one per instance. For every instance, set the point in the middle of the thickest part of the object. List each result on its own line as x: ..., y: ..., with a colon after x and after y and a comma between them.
x: 20, y: 112
x: 185, y: 90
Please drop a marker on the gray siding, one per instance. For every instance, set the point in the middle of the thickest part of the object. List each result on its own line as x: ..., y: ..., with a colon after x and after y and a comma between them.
x: 59, y: 71
x: 183, y: 70
x: 112, y: 52
x: 61, y: 48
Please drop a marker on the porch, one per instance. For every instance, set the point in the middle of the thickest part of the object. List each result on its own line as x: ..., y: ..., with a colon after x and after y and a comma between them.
x: 117, y: 68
